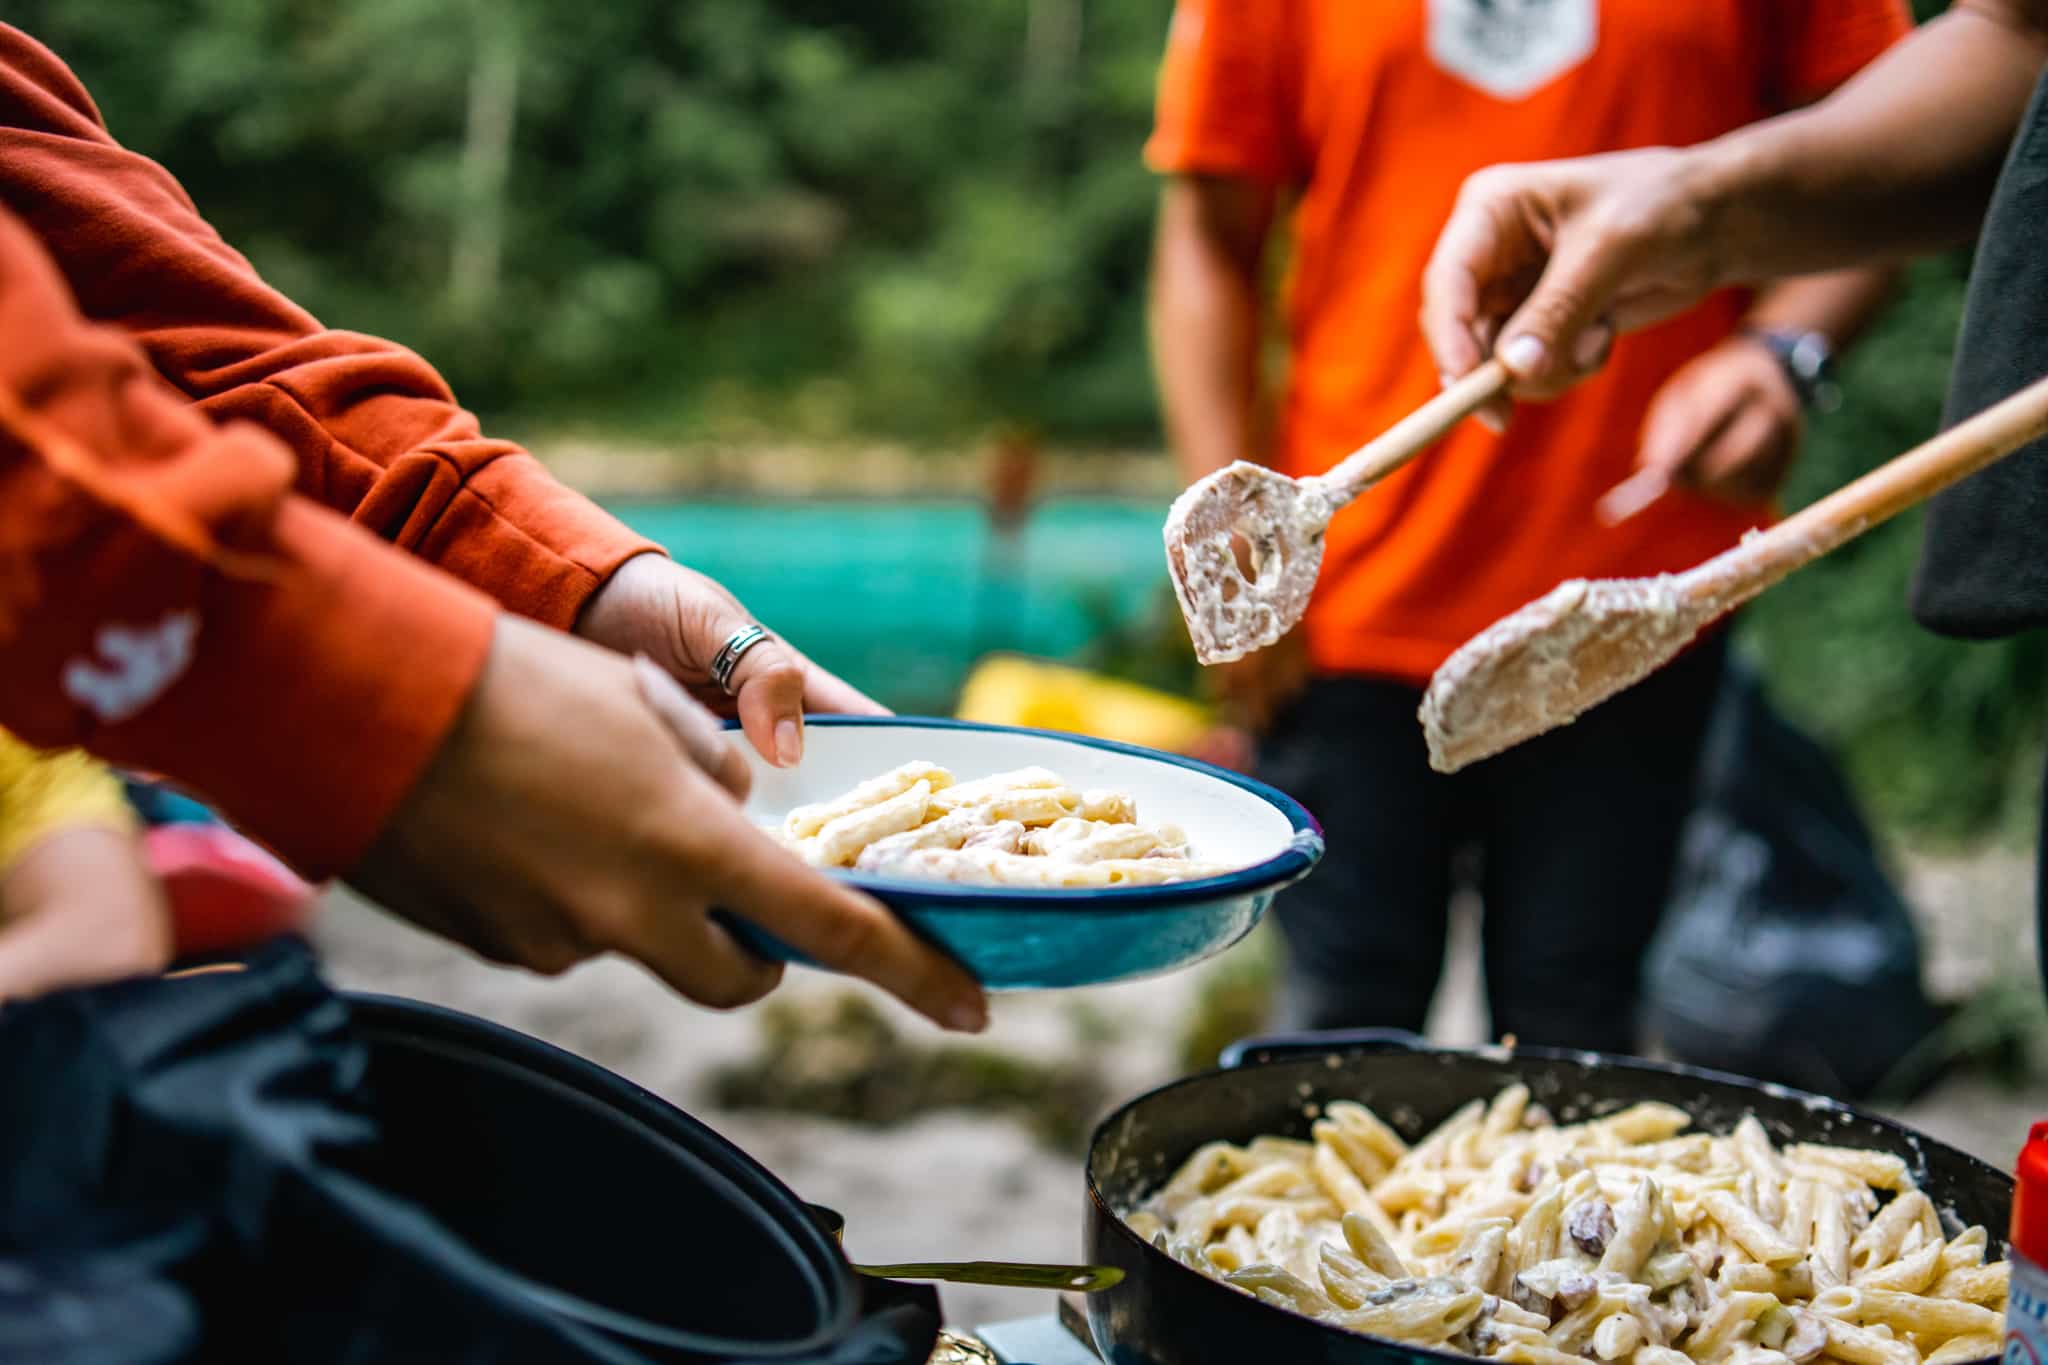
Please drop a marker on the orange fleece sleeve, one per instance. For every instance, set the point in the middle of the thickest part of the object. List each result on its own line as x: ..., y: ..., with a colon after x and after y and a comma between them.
x: 166, y: 600
x: 377, y: 433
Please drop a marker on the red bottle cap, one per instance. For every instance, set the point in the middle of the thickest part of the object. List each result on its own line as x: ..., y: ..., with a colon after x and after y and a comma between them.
x: 2030, y: 1198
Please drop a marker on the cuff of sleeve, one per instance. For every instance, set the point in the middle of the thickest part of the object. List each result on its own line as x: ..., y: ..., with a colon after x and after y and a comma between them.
x: 317, y: 695
x: 541, y: 548
x: 1167, y: 155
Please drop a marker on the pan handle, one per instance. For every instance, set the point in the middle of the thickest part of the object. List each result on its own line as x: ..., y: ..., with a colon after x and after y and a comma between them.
x: 1272, y: 1047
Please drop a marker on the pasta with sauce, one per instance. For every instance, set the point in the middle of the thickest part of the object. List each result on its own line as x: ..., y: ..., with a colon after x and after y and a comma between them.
x: 1021, y: 828
x: 1505, y: 1235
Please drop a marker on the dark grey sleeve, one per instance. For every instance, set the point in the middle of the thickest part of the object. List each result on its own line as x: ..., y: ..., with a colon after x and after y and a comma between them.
x: 1984, y: 563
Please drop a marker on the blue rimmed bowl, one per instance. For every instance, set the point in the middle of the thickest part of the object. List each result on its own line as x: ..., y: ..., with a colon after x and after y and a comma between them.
x: 1033, y: 939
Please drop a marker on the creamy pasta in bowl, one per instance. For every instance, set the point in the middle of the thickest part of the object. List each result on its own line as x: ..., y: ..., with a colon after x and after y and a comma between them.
x: 1039, y: 859
x: 1025, y: 827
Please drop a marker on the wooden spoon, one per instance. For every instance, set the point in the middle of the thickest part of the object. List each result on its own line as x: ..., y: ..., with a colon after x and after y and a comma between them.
x: 1545, y: 665
x: 1281, y: 521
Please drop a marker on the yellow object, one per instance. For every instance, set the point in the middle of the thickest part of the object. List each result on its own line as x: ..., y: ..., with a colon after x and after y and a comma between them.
x: 43, y: 792
x: 1008, y: 689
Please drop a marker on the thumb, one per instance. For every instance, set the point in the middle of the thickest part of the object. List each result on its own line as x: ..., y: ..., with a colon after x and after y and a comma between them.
x: 1560, y: 334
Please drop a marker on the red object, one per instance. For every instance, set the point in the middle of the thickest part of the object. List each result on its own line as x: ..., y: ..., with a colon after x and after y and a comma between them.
x: 2029, y: 1233
x: 225, y: 892
x: 1013, y: 477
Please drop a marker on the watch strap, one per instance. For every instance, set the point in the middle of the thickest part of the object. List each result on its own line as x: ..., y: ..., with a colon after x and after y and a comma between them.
x: 1808, y: 360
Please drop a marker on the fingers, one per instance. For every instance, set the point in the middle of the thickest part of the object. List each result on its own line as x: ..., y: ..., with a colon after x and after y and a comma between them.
x: 767, y: 684
x: 1631, y: 495
x: 1560, y: 334
x: 841, y: 929
x: 1450, y: 312
x: 1688, y: 412
x: 1686, y: 417
x: 709, y: 965
x: 768, y: 688
x: 695, y: 728
x: 1745, y: 458
x: 1473, y: 247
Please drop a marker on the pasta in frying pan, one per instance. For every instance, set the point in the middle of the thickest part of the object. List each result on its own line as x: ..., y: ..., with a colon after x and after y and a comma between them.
x: 1505, y: 1235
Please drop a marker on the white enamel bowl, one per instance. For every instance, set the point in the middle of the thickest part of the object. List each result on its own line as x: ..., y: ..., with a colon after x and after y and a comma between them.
x: 1019, y: 938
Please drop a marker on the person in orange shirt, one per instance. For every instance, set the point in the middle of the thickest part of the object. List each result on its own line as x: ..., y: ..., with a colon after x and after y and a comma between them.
x: 1364, y: 121
x: 169, y: 603
x: 377, y: 433
x: 215, y: 604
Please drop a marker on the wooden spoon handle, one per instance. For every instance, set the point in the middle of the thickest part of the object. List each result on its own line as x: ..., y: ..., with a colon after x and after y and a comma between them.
x: 1881, y: 494
x: 1413, y: 434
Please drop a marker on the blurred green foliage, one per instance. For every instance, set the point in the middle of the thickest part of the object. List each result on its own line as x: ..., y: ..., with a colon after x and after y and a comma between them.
x: 910, y: 217
x: 899, y: 217
x: 1943, y: 737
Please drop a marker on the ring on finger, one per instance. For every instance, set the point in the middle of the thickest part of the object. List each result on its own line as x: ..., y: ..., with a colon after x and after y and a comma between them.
x: 727, y: 660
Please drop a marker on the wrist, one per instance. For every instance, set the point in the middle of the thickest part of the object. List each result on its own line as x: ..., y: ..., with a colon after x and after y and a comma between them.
x: 1728, y: 185
x: 607, y: 615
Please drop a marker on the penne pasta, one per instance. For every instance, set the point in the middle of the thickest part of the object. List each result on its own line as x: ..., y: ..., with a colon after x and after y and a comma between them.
x: 1506, y: 1235
x: 1024, y: 828
x: 840, y: 840
x: 1981, y: 1284
x: 805, y: 821
x: 1958, y: 1349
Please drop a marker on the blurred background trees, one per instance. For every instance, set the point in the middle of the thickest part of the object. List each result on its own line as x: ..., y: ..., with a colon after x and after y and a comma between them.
x: 897, y: 218
x: 911, y: 218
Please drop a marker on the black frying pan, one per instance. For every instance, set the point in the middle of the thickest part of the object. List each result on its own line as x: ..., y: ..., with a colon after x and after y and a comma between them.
x: 1166, y: 1314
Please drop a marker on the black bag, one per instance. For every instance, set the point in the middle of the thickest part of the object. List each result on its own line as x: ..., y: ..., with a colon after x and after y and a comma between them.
x: 202, y: 1170
x: 1786, y: 953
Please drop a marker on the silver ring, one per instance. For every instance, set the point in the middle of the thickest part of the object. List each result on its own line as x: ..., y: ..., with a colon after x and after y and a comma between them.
x: 729, y: 654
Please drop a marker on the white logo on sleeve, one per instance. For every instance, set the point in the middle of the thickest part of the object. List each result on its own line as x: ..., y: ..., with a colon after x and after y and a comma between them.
x: 1509, y: 48
x: 136, y: 665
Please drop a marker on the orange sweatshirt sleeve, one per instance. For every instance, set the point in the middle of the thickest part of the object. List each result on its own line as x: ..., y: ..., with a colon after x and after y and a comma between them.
x: 166, y: 600
x: 376, y: 432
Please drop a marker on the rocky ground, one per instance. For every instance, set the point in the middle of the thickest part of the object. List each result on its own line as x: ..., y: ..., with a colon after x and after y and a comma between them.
x: 966, y: 1186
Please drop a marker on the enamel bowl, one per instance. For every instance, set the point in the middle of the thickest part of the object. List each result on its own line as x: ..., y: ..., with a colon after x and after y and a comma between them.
x: 1030, y: 938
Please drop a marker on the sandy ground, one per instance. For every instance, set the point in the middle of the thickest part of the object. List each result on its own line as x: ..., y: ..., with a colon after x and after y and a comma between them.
x: 957, y: 1187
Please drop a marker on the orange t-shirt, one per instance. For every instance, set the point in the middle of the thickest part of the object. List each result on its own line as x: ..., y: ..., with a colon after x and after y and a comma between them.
x: 1373, y: 114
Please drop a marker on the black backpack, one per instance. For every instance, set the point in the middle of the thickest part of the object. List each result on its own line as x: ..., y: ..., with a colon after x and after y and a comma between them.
x: 1786, y: 953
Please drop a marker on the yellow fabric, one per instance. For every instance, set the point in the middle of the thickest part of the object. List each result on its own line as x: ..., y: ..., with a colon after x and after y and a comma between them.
x: 44, y: 792
x: 1009, y: 690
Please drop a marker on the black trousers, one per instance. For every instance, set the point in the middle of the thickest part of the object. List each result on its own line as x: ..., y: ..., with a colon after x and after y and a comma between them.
x: 1575, y: 835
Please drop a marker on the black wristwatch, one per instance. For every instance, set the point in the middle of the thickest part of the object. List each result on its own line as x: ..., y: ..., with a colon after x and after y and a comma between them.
x: 1808, y: 359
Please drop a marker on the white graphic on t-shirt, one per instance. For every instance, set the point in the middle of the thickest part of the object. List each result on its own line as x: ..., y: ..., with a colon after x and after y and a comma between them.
x: 1509, y: 48
x: 141, y: 663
